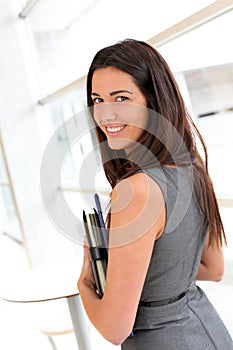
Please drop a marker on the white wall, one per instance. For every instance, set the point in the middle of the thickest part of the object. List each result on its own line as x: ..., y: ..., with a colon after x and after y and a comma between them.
x: 24, y: 146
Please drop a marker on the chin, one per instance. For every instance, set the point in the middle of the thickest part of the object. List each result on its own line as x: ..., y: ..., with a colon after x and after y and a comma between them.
x: 118, y: 145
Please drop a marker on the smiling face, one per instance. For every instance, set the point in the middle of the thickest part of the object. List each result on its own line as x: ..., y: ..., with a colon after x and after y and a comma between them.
x: 118, y: 108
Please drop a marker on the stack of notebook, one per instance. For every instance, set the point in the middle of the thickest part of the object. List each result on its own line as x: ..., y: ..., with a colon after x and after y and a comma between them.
x: 97, y: 245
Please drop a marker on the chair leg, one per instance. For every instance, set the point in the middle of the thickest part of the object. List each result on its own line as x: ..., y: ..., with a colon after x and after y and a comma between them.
x: 52, y: 343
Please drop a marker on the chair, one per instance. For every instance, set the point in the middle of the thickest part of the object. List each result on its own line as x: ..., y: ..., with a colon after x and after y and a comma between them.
x: 55, y: 320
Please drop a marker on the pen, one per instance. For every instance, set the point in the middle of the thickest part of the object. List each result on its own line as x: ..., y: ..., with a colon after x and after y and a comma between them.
x: 100, y: 215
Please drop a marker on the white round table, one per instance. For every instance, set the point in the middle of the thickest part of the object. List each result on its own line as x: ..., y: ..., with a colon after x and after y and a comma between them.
x: 48, y: 282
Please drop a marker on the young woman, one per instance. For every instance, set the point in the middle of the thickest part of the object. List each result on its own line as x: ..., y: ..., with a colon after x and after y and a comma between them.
x: 165, y: 231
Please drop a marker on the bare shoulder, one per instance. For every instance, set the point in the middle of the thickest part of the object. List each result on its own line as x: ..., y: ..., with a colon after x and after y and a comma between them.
x: 137, y: 207
x: 137, y: 186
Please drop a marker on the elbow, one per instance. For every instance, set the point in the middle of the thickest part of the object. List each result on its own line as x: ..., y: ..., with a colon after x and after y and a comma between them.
x: 210, y: 273
x: 218, y: 274
x: 218, y: 279
x: 117, y: 338
x: 117, y: 341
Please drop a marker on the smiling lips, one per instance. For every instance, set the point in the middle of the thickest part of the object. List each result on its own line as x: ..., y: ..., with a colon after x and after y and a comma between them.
x: 114, y: 129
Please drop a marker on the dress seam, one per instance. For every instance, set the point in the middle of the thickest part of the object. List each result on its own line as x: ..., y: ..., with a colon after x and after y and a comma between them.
x: 203, y: 326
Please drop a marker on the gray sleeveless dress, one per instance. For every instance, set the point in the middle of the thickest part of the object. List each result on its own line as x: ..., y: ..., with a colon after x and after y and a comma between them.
x: 191, y: 323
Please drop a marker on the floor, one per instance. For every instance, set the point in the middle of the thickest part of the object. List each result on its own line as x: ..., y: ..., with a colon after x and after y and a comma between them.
x: 20, y: 324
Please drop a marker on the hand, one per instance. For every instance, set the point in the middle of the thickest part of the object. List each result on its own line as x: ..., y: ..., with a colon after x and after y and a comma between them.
x: 86, y: 277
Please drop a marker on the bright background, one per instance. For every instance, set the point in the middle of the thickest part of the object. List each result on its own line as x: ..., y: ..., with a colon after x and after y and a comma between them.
x: 46, y: 48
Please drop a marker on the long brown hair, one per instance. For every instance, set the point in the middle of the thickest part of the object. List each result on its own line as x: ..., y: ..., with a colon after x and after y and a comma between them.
x: 153, y: 76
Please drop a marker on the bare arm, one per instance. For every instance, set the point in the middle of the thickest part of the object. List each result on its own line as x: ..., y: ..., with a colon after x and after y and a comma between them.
x: 212, y: 263
x: 138, y: 218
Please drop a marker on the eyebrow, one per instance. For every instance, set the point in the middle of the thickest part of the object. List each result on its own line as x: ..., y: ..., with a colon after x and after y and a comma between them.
x: 113, y: 92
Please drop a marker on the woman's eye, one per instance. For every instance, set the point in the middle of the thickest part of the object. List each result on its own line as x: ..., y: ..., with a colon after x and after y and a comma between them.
x: 97, y: 100
x: 121, y: 98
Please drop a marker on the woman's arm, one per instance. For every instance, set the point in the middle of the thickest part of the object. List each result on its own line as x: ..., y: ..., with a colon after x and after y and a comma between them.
x: 212, y: 263
x: 137, y: 219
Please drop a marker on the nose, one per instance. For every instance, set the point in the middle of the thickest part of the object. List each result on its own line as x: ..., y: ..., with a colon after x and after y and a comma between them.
x: 105, y: 113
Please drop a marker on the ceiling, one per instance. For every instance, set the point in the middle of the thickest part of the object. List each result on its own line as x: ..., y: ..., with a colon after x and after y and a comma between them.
x: 148, y: 16
x: 85, y: 26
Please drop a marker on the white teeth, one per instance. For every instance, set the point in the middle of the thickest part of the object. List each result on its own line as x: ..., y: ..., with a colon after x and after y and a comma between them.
x: 119, y: 128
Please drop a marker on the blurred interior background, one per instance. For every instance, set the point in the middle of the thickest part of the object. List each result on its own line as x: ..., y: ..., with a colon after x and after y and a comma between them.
x: 46, y: 49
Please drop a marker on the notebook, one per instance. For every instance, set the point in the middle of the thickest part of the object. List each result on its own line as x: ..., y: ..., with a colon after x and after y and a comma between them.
x: 96, y: 235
